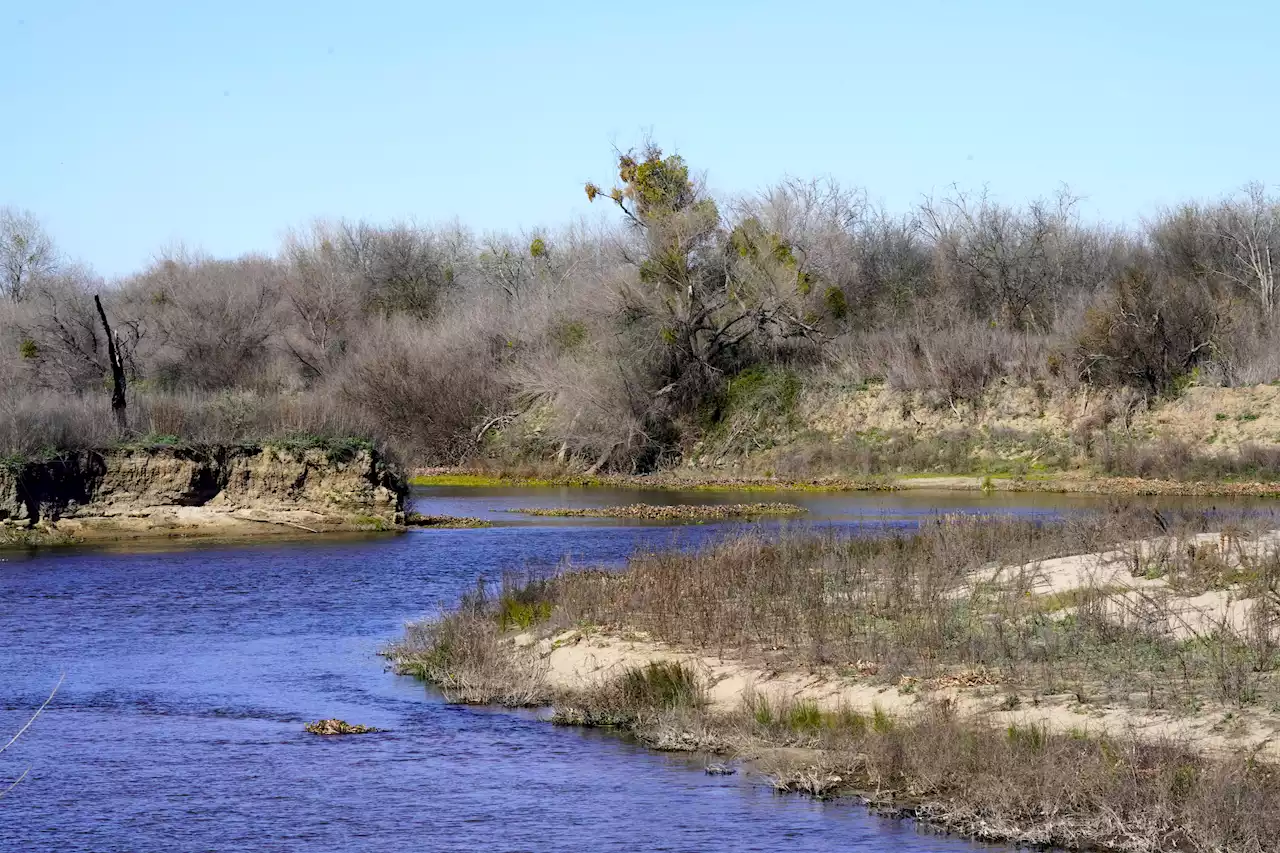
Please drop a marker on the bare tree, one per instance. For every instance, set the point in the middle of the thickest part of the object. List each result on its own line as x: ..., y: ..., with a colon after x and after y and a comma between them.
x: 27, y: 253
x: 323, y: 303
x: 1249, y: 226
x: 66, y: 335
x: 398, y: 268
x: 119, y: 402
x: 1008, y: 262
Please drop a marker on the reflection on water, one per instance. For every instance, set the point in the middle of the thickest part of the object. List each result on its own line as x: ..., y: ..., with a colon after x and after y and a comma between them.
x: 190, y: 672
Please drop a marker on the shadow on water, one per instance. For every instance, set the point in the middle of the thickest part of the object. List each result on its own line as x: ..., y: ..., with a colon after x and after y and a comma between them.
x: 190, y: 671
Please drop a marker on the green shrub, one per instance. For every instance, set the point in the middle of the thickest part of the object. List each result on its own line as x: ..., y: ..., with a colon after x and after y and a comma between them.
x: 513, y: 613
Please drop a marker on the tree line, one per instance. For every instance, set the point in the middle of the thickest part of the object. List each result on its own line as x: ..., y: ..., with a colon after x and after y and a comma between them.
x: 612, y: 345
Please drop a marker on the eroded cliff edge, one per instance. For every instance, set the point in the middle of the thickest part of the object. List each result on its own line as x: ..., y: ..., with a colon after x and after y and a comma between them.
x: 199, y: 491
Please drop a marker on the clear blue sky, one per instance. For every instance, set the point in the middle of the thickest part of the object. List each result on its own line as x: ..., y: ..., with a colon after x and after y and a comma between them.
x: 131, y: 125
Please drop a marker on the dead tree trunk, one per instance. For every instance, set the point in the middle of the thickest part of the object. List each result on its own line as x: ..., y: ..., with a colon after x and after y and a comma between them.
x: 118, y: 401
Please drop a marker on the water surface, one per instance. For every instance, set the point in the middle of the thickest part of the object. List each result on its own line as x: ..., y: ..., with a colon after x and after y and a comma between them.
x: 190, y: 671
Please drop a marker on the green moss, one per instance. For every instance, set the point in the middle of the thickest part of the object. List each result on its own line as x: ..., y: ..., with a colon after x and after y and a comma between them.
x: 15, y: 537
x: 15, y: 462
x: 149, y: 441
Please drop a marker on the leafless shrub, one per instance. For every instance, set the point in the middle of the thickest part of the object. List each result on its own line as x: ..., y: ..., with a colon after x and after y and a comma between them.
x: 956, y: 362
x: 61, y: 341
x: 1015, y: 264
x: 1148, y: 333
x: 603, y: 348
x: 212, y: 322
x: 1180, y: 460
x: 429, y: 390
x: 35, y: 423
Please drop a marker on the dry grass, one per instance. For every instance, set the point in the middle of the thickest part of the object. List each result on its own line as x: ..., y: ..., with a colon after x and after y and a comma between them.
x: 417, y: 519
x: 462, y: 654
x: 1181, y: 460
x: 1026, y: 785
x: 909, y: 603
x: 925, y: 605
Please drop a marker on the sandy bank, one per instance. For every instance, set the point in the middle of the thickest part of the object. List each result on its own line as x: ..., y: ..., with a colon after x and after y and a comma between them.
x: 1183, y: 589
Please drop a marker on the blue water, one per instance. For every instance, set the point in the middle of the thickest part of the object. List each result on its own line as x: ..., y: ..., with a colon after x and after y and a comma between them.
x: 190, y: 672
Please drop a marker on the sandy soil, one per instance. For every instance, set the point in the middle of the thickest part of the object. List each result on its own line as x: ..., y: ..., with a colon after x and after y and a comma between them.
x: 183, y: 522
x: 576, y: 660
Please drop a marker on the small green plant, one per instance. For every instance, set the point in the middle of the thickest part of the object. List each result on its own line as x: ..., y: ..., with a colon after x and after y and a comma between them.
x: 28, y: 349
x: 762, y: 711
x: 805, y: 716
x: 1031, y: 738
x: 662, y: 684
x: 881, y: 722
x: 1220, y: 416
x: 335, y: 448
x: 1247, y: 416
x: 514, y: 613
x: 836, y: 303
x: 847, y: 720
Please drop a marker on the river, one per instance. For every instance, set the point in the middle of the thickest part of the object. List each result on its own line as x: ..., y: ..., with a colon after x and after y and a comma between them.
x: 191, y: 670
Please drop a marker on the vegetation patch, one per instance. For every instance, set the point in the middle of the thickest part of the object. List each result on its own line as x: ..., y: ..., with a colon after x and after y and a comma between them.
x: 417, y: 519
x: 500, y: 480
x: 338, y: 727
x: 658, y: 512
x: 15, y: 536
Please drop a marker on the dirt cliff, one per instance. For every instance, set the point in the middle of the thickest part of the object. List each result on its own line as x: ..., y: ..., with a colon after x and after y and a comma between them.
x: 199, y: 491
